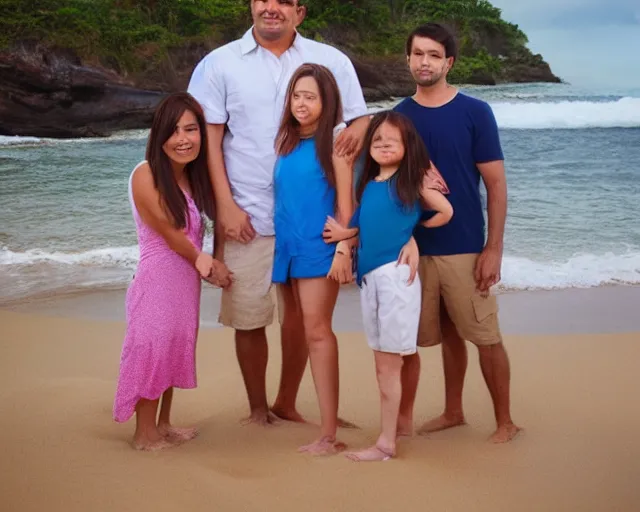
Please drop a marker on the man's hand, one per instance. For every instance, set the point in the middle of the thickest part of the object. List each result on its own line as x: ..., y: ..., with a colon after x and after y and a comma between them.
x: 487, y: 271
x: 235, y: 223
x: 220, y: 275
x: 349, y: 142
x: 410, y: 255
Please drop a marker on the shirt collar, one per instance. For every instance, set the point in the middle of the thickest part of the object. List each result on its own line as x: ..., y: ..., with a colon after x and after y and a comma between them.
x: 248, y: 43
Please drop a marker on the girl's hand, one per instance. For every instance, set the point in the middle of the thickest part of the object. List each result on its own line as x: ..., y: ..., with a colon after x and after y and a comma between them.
x: 410, y: 255
x: 204, y: 264
x: 335, y: 232
x: 341, y: 269
x: 220, y: 276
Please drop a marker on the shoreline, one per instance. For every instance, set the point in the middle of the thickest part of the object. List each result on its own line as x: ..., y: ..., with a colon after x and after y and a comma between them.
x: 603, y: 309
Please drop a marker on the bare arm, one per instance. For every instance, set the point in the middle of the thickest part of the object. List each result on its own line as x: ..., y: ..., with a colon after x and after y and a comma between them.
x: 147, y: 201
x: 435, y: 200
x: 495, y: 181
x: 343, y: 167
x: 231, y: 221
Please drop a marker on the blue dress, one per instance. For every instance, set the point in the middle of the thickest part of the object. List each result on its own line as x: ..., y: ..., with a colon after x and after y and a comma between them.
x: 303, y: 200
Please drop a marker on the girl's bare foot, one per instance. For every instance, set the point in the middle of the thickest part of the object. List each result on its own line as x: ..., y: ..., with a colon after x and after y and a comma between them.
x: 505, y: 433
x: 441, y: 423
x: 261, y: 418
x: 146, y: 445
x: 177, y: 434
x: 323, y: 446
x: 371, y: 454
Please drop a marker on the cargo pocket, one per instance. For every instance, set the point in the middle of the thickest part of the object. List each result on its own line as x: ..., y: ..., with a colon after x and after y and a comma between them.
x: 484, y: 307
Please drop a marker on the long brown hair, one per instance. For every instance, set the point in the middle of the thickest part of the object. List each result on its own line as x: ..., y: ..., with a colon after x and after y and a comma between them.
x: 414, y: 165
x: 165, y: 119
x: 289, y: 132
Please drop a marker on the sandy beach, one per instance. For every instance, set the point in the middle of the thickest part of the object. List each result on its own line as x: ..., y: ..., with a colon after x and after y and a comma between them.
x: 573, y: 366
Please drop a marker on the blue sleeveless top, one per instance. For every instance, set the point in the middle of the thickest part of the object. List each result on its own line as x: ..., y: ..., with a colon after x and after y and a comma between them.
x: 303, y: 200
x: 385, y: 224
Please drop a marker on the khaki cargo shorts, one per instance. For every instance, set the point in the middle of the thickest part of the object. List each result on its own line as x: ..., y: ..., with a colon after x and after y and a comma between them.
x: 250, y: 302
x: 448, y: 284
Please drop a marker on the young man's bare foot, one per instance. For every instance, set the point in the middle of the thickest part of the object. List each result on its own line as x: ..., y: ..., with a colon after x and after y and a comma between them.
x: 323, y: 446
x: 177, y: 434
x: 288, y: 415
x: 261, y: 418
x: 505, y: 433
x: 346, y: 424
x: 372, y: 454
x: 405, y: 427
x: 146, y: 445
x: 441, y: 423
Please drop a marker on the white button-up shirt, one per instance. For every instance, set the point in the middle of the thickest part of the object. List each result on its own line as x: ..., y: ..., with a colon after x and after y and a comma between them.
x: 244, y: 85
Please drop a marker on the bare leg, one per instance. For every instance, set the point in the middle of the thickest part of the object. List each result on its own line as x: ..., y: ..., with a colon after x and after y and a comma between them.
x: 171, y: 433
x: 454, y: 359
x: 317, y: 299
x: 253, y: 353
x: 294, y: 357
x: 147, y: 437
x: 494, y: 363
x: 410, y: 380
x: 388, y: 372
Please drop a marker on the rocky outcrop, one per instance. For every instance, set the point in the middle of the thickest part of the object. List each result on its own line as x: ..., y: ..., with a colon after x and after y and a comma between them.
x: 48, y: 92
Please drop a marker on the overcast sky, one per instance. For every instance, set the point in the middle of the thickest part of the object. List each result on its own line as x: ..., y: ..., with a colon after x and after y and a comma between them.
x: 586, y: 42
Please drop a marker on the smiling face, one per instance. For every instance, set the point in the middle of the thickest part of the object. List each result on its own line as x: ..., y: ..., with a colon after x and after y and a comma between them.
x: 184, y: 144
x: 306, y: 103
x: 427, y: 61
x: 276, y: 19
x: 387, y: 146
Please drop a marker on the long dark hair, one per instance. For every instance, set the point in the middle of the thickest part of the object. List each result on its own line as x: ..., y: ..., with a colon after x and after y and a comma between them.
x: 165, y: 119
x: 414, y: 165
x: 289, y: 132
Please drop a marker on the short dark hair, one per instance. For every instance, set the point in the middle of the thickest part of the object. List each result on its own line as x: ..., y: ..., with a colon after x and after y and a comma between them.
x: 437, y: 32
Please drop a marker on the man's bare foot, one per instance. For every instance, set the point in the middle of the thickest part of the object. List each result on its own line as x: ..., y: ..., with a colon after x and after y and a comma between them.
x: 323, y: 446
x: 177, y: 434
x: 151, y: 446
x: 371, y: 454
x: 346, y: 424
x: 405, y: 427
x: 288, y: 415
x: 441, y: 423
x: 261, y: 418
x: 505, y: 433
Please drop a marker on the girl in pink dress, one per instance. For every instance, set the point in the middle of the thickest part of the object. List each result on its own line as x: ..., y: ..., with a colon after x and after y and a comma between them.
x: 169, y: 192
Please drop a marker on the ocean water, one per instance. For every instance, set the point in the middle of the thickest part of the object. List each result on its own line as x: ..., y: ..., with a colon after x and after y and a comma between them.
x: 573, y: 171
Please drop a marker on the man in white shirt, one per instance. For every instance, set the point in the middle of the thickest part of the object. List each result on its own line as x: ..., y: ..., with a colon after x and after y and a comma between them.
x: 241, y: 87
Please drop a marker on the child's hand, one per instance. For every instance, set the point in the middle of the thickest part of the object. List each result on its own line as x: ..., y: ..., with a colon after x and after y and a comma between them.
x: 204, y: 264
x: 220, y: 275
x: 410, y: 255
x: 341, y: 268
x: 335, y: 232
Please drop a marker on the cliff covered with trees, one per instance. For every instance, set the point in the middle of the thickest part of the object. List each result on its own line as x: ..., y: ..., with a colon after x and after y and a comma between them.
x: 86, y: 67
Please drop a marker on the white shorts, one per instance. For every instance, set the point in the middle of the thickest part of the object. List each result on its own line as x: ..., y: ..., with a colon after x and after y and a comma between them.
x: 391, y: 309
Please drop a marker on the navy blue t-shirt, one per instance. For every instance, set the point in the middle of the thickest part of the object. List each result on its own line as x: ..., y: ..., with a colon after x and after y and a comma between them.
x: 458, y: 135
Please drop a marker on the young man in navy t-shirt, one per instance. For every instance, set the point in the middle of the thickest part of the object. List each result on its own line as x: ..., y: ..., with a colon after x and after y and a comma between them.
x: 457, y: 265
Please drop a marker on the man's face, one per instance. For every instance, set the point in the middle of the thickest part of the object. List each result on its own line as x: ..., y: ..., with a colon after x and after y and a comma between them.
x: 427, y: 61
x: 276, y: 19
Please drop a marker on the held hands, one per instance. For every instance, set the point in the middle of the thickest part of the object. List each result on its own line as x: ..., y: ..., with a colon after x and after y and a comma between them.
x: 335, y: 232
x: 409, y: 255
x: 235, y: 223
x: 213, y: 271
x: 487, y: 271
x: 341, y: 268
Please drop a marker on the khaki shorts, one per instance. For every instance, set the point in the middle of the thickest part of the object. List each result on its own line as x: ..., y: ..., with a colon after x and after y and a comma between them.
x: 249, y: 303
x: 448, y: 282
